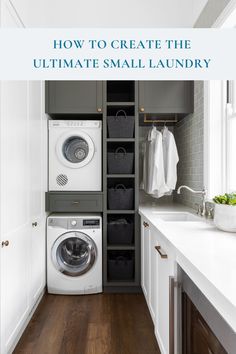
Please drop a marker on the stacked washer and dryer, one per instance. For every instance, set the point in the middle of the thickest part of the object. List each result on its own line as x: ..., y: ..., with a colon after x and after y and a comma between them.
x: 74, y: 241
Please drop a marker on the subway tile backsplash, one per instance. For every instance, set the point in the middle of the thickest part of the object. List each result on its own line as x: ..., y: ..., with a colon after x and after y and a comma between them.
x: 189, y: 135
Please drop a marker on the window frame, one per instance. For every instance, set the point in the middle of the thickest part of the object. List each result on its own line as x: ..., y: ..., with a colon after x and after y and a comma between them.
x: 216, y: 120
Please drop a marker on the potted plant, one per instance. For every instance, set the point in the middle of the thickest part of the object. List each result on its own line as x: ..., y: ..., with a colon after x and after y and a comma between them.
x: 225, y: 212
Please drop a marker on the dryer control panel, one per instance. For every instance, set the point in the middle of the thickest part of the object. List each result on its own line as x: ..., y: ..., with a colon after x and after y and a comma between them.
x: 74, y: 123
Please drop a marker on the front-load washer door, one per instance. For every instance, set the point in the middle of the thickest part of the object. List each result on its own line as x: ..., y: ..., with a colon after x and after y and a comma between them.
x: 74, y: 253
x: 75, y: 149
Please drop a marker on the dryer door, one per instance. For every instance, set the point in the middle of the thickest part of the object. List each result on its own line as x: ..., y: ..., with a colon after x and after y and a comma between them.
x: 74, y: 253
x: 75, y: 149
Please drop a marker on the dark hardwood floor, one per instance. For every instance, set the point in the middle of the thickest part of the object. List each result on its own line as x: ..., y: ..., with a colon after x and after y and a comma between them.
x: 90, y: 324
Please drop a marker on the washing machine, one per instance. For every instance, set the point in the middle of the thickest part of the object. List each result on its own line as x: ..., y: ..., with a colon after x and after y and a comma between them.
x: 74, y: 254
x: 75, y: 155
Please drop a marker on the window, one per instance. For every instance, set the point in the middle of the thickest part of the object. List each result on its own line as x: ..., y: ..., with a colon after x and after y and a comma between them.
x: 220, y: 125
x: 231, y: 138
x: 215, y: 94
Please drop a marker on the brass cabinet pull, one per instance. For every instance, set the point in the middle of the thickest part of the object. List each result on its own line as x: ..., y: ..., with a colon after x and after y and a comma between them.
x: 145, y: 224
x: 34, y: 224
x: 142, y: 109
x: 163, y: 255
x: 5, y: 243
x: 99, y: 110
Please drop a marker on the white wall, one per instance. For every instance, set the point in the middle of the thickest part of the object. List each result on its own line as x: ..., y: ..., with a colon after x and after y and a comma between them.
x: 211, y: 12
x: 106, y: 13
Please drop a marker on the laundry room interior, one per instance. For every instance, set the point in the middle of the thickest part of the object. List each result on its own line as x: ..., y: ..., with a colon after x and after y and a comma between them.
x: 117, y: 209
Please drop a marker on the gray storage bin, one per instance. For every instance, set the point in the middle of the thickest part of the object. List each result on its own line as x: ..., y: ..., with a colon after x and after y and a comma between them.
x: 120, y: 161
x: 120, y: 126
x: 120, y: 231
x: 121, y: 267
x: 120, y: 198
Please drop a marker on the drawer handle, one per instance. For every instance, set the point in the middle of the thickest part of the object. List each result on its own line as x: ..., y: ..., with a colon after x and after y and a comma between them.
x: 163, y: 255
x: 34, y: 224
x: 75, y: 203
x: 145, y: 224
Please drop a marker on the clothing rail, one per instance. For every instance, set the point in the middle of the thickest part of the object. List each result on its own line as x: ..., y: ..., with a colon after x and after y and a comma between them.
x: 146, y: 120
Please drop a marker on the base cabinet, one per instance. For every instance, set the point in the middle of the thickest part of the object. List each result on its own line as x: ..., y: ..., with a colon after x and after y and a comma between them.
x: 165, y: 270
x: 145, y: 259
x: 37, y: 259
x: 15, y: 285
x: 197, y: 336
x: 157, y: 262
x: 155, y: 287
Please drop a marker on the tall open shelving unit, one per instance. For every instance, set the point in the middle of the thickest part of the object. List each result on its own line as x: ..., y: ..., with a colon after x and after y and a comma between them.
x: 121, y: 95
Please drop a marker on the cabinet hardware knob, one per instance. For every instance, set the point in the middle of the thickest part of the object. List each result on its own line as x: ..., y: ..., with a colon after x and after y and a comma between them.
x: 34, y: 224
x: 145, y: 224
x: 163, y: 255
x: 142, y: 109
x: 99, y: 110
x: 76, y: 203
x: 5, y: 243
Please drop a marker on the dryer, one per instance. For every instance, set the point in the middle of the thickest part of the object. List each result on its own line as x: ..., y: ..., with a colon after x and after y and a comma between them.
x: 74, y: 254
x: 75, y: 155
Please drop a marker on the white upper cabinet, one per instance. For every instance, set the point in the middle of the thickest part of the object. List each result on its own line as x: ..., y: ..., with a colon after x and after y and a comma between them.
x: 36, y: 150
x: 37, y: 171
x: 14, y: 159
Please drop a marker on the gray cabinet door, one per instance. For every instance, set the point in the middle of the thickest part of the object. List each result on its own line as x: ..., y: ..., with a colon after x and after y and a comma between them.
x: 64, y: 97
x: 166, y: 97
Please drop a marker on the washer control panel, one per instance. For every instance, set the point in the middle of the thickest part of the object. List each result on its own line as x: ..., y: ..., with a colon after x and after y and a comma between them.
x: 75, y: 223
x: 91, y: 222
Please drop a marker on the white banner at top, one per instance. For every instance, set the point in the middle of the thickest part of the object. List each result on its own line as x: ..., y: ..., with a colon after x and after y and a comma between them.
x: 117, y: 54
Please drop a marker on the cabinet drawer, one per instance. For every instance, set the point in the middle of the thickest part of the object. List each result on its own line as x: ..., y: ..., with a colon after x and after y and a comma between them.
x: 70, y: 202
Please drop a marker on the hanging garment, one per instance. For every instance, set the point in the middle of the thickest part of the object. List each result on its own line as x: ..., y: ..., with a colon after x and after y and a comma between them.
x: 153, y: 165
x: 171, y: 158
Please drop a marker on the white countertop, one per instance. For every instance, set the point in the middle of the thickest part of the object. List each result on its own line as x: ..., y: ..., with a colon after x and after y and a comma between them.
x: 205, y: 253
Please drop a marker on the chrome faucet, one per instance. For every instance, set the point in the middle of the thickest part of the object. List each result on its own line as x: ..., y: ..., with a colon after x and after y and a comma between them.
x: 202, y: 209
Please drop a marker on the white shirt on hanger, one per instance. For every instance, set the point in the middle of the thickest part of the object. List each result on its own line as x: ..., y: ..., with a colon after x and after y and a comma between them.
x: 153, y: 165
x: 171, y: 158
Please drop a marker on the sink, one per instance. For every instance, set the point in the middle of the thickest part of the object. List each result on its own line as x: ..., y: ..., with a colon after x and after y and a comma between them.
x: 176, y: 216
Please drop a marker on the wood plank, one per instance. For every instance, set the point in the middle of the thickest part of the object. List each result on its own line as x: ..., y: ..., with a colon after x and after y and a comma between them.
x: 90, y: 324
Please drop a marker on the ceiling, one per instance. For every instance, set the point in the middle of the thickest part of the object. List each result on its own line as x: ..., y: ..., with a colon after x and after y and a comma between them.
x: 105, y: 13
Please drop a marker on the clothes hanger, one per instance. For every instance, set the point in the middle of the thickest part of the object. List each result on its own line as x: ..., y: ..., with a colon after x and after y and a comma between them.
x: 165, y: 128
